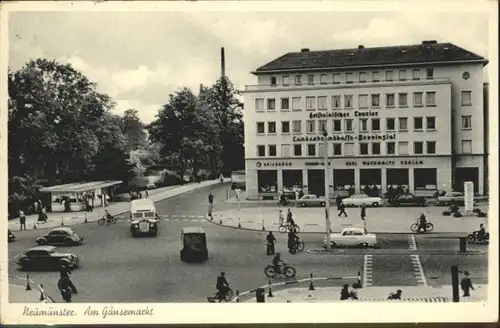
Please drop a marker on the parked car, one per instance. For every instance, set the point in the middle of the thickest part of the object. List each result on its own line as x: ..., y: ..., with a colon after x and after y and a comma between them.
x: 452, y: 197
x: 46, y: 257
x: 11, y: 236
x: 352, y: 236
x: 309, y: 200
x: 61, y: 235
x: 362, y: 199
x: 407, y: 200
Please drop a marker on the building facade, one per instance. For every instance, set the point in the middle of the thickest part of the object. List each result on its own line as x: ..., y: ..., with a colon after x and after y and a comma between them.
x: 408, y: 117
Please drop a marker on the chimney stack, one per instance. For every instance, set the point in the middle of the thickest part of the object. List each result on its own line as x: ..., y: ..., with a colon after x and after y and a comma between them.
x: 222, y: 63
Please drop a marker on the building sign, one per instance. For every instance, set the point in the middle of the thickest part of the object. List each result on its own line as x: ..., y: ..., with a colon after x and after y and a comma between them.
x: 273, y: 164
x: 384, y: 162
x: 347, y: 137
x: 317, y: 163
x: 343, y: 114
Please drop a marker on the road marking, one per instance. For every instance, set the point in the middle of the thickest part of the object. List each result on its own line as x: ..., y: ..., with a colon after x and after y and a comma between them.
x: 367, y: 270
x: 412, y: 243
x: 418, y: 270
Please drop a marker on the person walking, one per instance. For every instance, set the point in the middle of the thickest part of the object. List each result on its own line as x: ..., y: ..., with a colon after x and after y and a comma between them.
x: 147, y: 193
x: 221, y: 178
x: 363, y: 212
x: 64, y: 288
x: 341, y: 207
x: 65, y: 273
x: 338, y: 200
x: 270, y: 243
x: 210, y: 204
x: 22, y: 220
x: 466, y: 284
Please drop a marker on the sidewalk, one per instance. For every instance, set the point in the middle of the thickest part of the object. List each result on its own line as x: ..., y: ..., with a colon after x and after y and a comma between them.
x: 19, y: 294
x: 114, y: 208
x: 378, y: 220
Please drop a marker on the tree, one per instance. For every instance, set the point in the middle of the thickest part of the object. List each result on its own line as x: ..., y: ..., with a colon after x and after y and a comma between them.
x: 133, y: 129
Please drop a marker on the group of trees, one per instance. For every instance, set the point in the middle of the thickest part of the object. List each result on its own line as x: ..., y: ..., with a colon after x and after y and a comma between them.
x: 62, y: 130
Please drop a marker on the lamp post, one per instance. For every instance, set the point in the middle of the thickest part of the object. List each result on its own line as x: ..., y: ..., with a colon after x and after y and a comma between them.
x: 327, y: 192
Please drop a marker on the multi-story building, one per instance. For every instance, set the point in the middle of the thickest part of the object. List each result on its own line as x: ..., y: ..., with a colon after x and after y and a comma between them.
x: 407, y: 117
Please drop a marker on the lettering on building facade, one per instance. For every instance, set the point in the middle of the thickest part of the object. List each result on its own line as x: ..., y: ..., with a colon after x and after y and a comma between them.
x: 347, y: 137
x: 273, y: 164
x: 384, y: 162
x: 337, y: 114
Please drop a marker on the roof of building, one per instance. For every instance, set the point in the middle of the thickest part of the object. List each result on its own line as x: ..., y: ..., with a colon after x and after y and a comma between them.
x: 80, y: 186
x: 427, y: 52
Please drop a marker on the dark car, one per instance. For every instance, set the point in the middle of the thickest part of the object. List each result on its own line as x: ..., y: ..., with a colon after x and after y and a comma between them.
x: 62, y: 235
x: 11, y: 236
x: 46, y: 257
x: 408, y: 200
x: 194, y: 245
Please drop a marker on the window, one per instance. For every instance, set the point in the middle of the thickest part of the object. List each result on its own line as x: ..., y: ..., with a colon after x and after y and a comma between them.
x: 285, y: 104
x: 310, y: 79
x: 376, y: 76
x: 418, y: 99
x: 348, y: 125
x: 376, y: 148
x: 259, y: 104
x: 322, y: 103
x: 403, y: 148
x: 271, y: 127
x: 430, y: 98
x: 403, y: 124
x: 363, y: 124
x: 336, y: 102
x: 348, y: 101
x: 431, y: 123
x: 375, y: 124
x: 273, y: 81
x: 336, y: 78
x: 311, y: 150
x: 389, y: 75
x: 418, y: 147
x: 272, y: 150
x: 296, y: 103
x: 416, y: 74
x: 466, y: 98
x: 391, y: 148
x: 349, y: 149
x: 321, y: 150
x: 362, y: 77
x: 261, y: 150
x: 402, y: 75
x: 285, y: 150
x: 322, y: 125
x: 297, y: 126
x: 297, y: 150
x: 285, y: 127
x: 286, y: 80
x: 466, y: 122
x: 271, y: 104
x: 363, y: 148
x: 298, y: 79
x: 322, y: 79
x: 311, y: 126
x: 418, y: 123
x: 337, y: 125
x: 260, y: 128
x: 466, y: 146
x: 390, y: 100
x: 349, y: 78
x: 363, y: 101
x: 403, y: 99
x: 431, y: 147
x: 390, y: 124
x: 337, y: 149
x: 310, y: 103
x: 430, y: 73
x: 375, y: 100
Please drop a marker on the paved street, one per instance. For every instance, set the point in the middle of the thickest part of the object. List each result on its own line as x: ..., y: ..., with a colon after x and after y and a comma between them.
x: 118, y: 268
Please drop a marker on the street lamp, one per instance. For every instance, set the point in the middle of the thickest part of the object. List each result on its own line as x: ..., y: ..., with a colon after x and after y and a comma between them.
x: 327, y: 189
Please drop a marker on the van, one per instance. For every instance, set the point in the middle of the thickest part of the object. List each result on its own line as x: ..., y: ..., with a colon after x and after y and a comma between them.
x: 143, y: 217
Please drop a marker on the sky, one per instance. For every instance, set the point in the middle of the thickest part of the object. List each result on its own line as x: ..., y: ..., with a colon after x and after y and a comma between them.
x: 139, y: 58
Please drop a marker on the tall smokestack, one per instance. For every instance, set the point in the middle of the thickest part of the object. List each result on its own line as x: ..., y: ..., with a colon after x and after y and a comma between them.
x: 222, y: 63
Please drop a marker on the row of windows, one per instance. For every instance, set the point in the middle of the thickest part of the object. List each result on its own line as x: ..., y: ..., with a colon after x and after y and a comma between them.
x: 365, y: 101
x: 362, y: 77
x: 348, y: 149
x: 348, y: 125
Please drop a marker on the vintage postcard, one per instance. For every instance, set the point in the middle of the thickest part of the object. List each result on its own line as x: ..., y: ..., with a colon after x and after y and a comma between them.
x: 249, y: 162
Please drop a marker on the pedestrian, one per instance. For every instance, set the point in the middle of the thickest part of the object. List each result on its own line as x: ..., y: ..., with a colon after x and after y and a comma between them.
x: 65, y: 273
x: 147, y: 194
x: 353, y: 293
x: 22, y: 220
x: 44, y: 213
x: 210, y: 204
x: 339, y: 201
x: 363, y: 212
x: 466, y: 284
x: 342, y: 209
x: 291, y: 242
x: 344, y: 292
x: 221, y: 177
x: 396, y: 296
x: 65, y: 289
x: 270, y: 243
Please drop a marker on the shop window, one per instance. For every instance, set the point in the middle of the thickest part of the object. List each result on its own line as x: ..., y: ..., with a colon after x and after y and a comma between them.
x: 403, y: 148
x: 375, y: 124
x: 376, y: 148
x: 297, y: 126
x: 285, y: 103
x: 425, y: 179
x: 261, y: 150
x: 272, y: 150
x: 285, y: 127
x: 297, y: 150
x: 337, y: 149
x: 311, y: 150
x: 418, y: 123
x: 271, y: 127
x: 260, y: 128
x: 391, y: 148
x: 363, y: 149
x: 431, y: 147
x: 297, y: 103
x: 337, y: 125
x: 259, y: 104
x: 267, y: 181
x: 418, y: 147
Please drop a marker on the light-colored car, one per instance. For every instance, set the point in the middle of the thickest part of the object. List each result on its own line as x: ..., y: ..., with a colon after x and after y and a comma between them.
x: 362, y: 199
x: 452, y: 197
x: 310, y: 200
x: 352, y: 236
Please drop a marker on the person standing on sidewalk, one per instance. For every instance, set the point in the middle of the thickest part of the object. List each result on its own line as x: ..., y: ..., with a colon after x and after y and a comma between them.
x: 221, y: 178
x: 341, y: 207
x: 466, y: 284
x: 22, y: 220
x: 210, y: 204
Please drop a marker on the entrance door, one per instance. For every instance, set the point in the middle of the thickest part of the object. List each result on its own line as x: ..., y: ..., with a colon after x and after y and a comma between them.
x: 316, y: 182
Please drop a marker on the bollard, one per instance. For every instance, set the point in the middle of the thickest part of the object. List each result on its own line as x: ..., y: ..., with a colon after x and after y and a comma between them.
x: 463, y: 244
x: 227, y: 194
x: 239, y: 224
x: 85, y: 218
x: 270, y: 294
x: 263, y: 228
x: 454, y: 284
x: 62, y: 221
x: 311, y: 284
x: 28, y: 286
x: 237, y: 296
x: 358, y: 284
x: 42, y: 296
x: 260, y: 295
x: 220, y: 221
x: 34, y: 224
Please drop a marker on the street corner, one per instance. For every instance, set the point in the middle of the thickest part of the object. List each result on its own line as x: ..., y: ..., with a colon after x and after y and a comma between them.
x: 241, y: 220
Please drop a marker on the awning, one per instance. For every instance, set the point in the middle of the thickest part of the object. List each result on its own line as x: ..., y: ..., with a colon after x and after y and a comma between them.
x: 81, y: 186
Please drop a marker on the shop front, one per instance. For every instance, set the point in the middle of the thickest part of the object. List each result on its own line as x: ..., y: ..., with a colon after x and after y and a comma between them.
x: 267, y: 182
x: 425, y: 181
x: 398, y: 181
x: 371, y: 182
x: 292, y: 182
x: 316, y: 182
x: 343, y: 182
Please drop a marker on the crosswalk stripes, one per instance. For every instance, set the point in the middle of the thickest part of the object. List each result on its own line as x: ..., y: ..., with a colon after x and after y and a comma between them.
x: 418, y: 270
x: 367, y: 270
x: 181, y: 217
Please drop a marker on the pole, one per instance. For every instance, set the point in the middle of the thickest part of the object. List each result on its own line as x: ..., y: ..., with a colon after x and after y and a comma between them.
x: 454, y: 283
x: 327, y: 192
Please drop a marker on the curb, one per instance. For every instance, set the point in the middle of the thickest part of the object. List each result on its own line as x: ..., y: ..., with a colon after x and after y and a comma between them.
x: 321, y: 251
x: 48, y: 298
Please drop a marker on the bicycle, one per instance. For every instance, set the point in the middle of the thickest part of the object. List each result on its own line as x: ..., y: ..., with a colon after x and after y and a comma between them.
x: 287, y: 227
x: 299, y: 246
x: 227, y: 297
x: 285, y: 269
x: 107, y: 221
x: 428, y: 227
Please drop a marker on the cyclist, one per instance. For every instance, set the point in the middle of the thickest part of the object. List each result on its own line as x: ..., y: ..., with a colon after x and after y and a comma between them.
x: 107, y: 216
x: 292, y: 241
x: 277, y: 262
x: 222, y: 286
x: 422, y: 223
x: 481, y: 234
x: 270, y: 243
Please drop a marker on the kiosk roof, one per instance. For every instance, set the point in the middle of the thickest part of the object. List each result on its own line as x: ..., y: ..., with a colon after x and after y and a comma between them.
x: 81, y: 186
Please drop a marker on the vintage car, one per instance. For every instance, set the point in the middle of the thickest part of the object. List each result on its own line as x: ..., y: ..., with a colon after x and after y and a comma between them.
x: 407, y: 200
x: 11, y: 236
x: 362, y: 199
x: 144, y: 220
x: 46, y: 257
x: 352, y: 236
x: 309, y: 200
x: 452, y: 197
x: 194, y: 245
x: 61, y: 235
